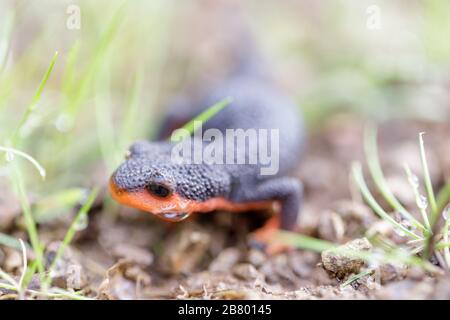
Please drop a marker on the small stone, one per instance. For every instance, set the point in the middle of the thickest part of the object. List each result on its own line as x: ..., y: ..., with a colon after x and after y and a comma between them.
x: 121, y: 281
x: 68, y: 272
x: 256, y: 257
x: 302, y: 263
x: 387, y: 273
x: 132, y: 253
x: 74, y: 277
x: 415, y: 273
x: 245, y: 271
x: 13, y: 260
x: 340, y: 265
x: 225, y: 260
x: 331, y: 227
x: 185, y: 249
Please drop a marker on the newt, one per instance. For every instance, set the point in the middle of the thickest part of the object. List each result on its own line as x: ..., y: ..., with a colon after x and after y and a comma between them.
x: 151, y: 181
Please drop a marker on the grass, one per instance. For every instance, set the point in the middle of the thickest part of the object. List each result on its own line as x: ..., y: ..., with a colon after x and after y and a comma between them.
x: 72, y: 101
x: 30, y: 224
x: 17, y: 175
x: 421, y: 201
x: 10, y: 152
x: 427, y: 179
x: 55, y: 134
x: 32, y: 106
x: 77, y: 91
x: 74, y: 227
x: 358, y: 176
x: 8, y: 241
x: 189, y: 128
x: 421, y: 237
x: 442, y: 200
x: 356, y: 277
x: 421, y: 232
x: 371, y: 150
x: 393, y: 255
x: 55, y: 293
x: 38, y: 250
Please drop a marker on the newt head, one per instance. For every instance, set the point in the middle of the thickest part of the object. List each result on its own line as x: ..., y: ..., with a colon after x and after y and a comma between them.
x: 155, y: 198
x: 148, y: 180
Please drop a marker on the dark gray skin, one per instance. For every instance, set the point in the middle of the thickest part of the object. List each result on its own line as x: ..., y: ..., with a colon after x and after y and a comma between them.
x: 256, y: 104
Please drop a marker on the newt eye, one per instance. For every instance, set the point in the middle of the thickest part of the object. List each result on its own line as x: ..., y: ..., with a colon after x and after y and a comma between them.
x: 158, y: 190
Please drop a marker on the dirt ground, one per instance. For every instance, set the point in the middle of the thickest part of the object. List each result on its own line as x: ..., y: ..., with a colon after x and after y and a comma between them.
x: 136, y: 256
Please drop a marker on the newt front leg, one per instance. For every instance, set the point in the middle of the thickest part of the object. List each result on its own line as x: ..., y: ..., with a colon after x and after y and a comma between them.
x: 288, y: 192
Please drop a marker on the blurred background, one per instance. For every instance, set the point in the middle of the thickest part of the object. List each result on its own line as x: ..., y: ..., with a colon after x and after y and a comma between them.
x: 119, y: 63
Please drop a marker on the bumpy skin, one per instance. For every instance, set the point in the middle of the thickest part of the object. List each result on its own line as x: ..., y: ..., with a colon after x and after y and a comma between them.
x: 201, y: 187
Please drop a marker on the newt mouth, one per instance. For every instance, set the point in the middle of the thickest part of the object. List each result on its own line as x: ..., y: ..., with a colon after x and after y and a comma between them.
x: 173, y: 216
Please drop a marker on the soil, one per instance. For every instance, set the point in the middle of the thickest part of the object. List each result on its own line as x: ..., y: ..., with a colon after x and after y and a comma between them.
x: 133, y: 255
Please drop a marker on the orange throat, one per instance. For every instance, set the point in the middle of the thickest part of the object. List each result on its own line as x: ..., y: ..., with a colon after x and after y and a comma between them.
x: 175, y: 208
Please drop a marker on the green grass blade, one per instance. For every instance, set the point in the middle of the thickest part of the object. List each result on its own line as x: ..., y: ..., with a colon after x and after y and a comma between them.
x: 358, y: 176
x: 305, y: 242
x: 371, y: 151
x: 356, y: 277
x: 36, y: 164
x: 36, y: 98
x: 202, y: 117
x: 68, y: 78
x: 442, y: 245
x: 132, y: 115
x: 426, y: 176
x: 419, y: 201
x: 445, y: 238
x: 104, y: 122
x: 28, y: 217
x: 393, y: 256
x: 5, y: 276
x: 32, y: 267
x: 57, y: 204
x: 71, y: 233
x: 429, y: 190
x: 72, y: 108
x: 443, y: 199
x: 8, y: 241
x: 54, y: 293
x: 61, y: 294
x: 24, y: 266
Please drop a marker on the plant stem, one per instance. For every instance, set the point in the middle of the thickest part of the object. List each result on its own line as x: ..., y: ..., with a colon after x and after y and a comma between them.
x: 358, y: 176
x: 426, y: 175
x: 420, y: 205
x: 443, y: 199
x: 188, y: 128
x: 40, y: 169
x: 371, y: 151
x: 71, y: 233
x: 29, y: 221
x: 36, y: 98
